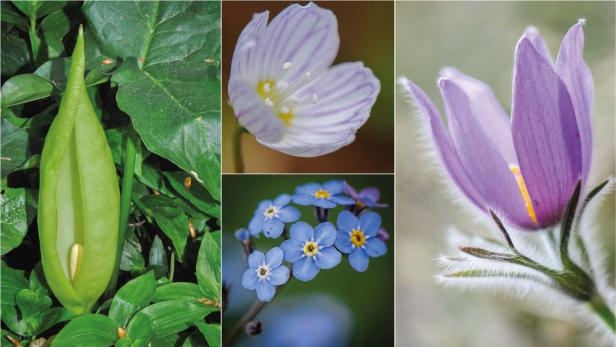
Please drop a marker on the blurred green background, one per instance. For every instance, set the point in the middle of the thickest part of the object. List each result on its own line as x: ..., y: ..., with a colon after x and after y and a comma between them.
x: 479, y: 38
x: 366, y: 34
x: 369, y: 295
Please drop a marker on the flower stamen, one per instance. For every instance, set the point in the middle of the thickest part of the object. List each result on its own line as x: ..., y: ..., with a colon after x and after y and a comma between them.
x: 263, y: 272
x: 524, y: 191
x: 322, y: 194
x: 358, y: 238
x: 271, y: 212
x: 311, y: 248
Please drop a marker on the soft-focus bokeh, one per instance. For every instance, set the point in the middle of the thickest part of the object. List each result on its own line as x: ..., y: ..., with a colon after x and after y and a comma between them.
x: 366, y: 34
x: 368, y: 296
x: 479, y: 38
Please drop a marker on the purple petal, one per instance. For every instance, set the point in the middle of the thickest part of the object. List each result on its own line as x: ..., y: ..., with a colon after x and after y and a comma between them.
x: 350, y: 191
x: 577, y: 77
x: 537, y: 41
x: 301, y: 231
x: 293, y: 250
x: 265, y: 291
x: 347, y: 221
x: 327, y: 258
x: 442, y: 142
x: 256, y: 259
x: 545, y: 133
x: 289, y: 214
x: 479, y: 154
x: 325, y: 234
x: 305, y: 269
x: 370, y: 223
x: 279, y: 275
x: 273, y: 258
x: 375, y: 247
x: 250, y: 279
x: 372, y: 193
x: 244, y: 48
x: 359, y: 260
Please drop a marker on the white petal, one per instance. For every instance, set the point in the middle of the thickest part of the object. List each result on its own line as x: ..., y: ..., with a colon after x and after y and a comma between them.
x: 245, y: 47
x: 253, y: 114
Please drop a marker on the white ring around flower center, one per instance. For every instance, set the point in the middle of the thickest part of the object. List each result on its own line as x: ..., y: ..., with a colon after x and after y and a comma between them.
x: 271, y: 212
x: 263, y: 272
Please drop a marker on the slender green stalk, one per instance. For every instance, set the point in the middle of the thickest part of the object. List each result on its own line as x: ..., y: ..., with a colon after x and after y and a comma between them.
x: 35, y: 42
x: 130, y: 153
x: 237, y: 148
x: 172, y: 266
x: 603, y: 311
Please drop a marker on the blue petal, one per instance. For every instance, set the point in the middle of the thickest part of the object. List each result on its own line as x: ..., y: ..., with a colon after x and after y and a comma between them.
x: 347, y: 221
x: 293, y: 250
x: 273, y: 228
x: 242, y: 234
x: 359, y: 260
x: 325, y: 234
x: 282, y: 200
x: 250, y: 279
x: 279, y: 275
x: 256, y: 259
x: 265, y: 291
x: 262, y: 206
x: 343, y: 242
x: 334, y: 186
x: 323, y: 203
x: 305, y: 269
x: 375, y: 247
x: 370, y: 223
x: 327, y: 258
x: 256, y: 225
x: 342, y: 200
x: 307, y: 188
x: 303, y: 199
x: 289, y: 214
x: 302, y: 232
x: 273, y: 258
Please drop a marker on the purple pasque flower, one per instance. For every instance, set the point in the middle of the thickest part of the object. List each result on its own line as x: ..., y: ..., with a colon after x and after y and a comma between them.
x: 265, y: 272
x: 525, y: 168
x: 284, y: 89
x: 367, y: 197
x: 310, y: 250
x: 358, y: 237
x: 271, y: 216
x: 326, y: 195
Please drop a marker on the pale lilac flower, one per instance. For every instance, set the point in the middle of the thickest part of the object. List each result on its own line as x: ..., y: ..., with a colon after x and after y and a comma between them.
x: 284, y: 89
x: 525, y: 168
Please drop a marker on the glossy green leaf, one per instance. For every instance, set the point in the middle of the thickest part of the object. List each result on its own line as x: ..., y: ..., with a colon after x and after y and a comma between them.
x: 54, y: 27
x: 9, y: 14
x: 15, y: 148
x: 195, y: 194
x: 170, y: 87
x: 25, y: 88
x: 211, y: 332
x: 133, y: 296
x: 195, y: 339
x: 178, y: 291
x: 132, y: 260
x: 56, y: 71
x: 158, y: 258
x: 14, y: 54
x: 171, y: 220
x: 14, y: 217
x: 12, y: 282
x: 92, y: 330
x: 38, y: 8
x: 30, y: 303
x: 209, y: 266
x: 168, y: 317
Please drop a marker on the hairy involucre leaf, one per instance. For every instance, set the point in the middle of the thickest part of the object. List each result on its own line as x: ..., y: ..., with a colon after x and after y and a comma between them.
x: 170, y: 86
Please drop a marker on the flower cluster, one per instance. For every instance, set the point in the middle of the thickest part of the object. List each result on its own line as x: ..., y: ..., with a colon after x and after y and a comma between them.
x: 308, y: 248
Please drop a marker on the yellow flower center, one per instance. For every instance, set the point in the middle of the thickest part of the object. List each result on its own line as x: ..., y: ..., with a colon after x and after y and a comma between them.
x: 270, y: 212
x: 322, y: 194
x: 271, y: 97
x: 357, y: 238
x: 524, y: 191
x: 311, y: 248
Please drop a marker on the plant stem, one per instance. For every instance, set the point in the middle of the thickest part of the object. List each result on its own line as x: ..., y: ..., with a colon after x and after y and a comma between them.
x: 603, y: 311
x: 130, y: 153
x: 172, y: 266
x: 237, y: 148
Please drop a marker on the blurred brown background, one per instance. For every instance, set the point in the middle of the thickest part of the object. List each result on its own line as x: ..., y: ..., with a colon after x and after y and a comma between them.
x: 366, y: 34
x: 479, y: 39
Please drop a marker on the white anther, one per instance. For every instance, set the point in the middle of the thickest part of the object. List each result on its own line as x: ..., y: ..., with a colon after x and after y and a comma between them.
x: 286, y: 66
x: 267, y: 87
x: 295, y: 100
x: 269, y: 102
x: 282, y: 84
x: 285, y: 110
x: 315, y: 98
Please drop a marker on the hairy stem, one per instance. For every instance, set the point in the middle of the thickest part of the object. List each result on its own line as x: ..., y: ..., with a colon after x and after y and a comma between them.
x: 603, y: 312
x: 237, y: 148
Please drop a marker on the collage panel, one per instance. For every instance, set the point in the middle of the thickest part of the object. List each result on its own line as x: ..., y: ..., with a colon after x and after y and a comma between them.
x: 308, y: 87
x: 308, y: 260
x: 486, y: 250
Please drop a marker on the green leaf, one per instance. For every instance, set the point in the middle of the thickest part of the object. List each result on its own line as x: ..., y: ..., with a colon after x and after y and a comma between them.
x: 38, y: 8
x: 12, y: 282
x: 92, y: 330
x: 196, y: 194
x: 133, y: 296
x: 178, y: 291
x: 14, y: 217
x: 15, y: 54
x: 211, y: 332
x: 48, y: 318
x: 171, y: 220
x: 30, y: 303
x: 54, y: 27
x: 56, y: 72
x: 158, y: 257
x: 167, y: 318
x: 10, y: 15
x: 15, y: 146
x: 209, y: 266
x: 132, y: 260
x: 172, y: 94
x: 25, y: 88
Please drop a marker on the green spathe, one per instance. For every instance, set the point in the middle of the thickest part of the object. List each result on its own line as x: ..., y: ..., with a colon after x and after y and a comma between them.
x: 79, y: 198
